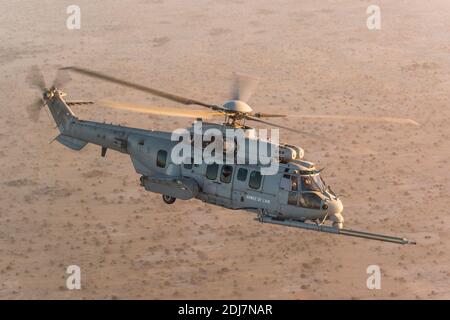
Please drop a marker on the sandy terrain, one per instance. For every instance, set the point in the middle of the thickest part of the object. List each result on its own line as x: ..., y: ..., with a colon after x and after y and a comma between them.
x: 60, y: 207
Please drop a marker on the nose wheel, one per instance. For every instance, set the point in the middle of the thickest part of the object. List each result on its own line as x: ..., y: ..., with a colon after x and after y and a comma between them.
x: 168, y: 199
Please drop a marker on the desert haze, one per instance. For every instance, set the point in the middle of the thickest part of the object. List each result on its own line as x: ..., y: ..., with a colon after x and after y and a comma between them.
x: 59, y: 207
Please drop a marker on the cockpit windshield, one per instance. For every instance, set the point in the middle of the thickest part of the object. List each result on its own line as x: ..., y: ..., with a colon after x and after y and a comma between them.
x: 313, y: 183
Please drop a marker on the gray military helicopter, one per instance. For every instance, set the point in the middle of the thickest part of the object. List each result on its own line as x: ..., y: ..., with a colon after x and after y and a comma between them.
x: 295, y: 196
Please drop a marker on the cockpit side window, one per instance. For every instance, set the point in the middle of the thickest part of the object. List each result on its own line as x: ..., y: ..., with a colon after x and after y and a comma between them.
x: 226, y: 174
x: 292, y: 198
x: 309, y: 200
x: 211, y: 171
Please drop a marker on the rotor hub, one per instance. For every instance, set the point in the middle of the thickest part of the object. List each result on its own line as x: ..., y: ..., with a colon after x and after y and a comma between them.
x: 48, y: 94
x: 237, y: 106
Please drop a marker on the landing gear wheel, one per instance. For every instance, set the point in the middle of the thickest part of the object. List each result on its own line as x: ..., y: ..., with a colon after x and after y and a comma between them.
x: 168, y: 199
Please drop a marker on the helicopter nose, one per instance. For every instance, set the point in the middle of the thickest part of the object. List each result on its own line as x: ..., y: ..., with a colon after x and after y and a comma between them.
x: 335, y: 206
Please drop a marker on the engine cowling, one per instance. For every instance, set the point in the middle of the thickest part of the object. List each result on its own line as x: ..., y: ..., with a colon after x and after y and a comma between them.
x: 289, y: 152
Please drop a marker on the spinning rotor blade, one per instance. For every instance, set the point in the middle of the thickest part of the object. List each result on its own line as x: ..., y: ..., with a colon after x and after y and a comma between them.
x: 61, y: 79
x: 359, y: 118
x: 173, y: 112
x: 34, y: 109
x: 35, y: 78
x: 140, y: 87
x: 243, y: 87
x: 268, y: 115
x: 287, y: 128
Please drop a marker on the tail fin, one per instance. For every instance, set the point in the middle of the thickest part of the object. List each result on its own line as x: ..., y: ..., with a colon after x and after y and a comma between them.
x: 61, y: 112
x: 64, y: 117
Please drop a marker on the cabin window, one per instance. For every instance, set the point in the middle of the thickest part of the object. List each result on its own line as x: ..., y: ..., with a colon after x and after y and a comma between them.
x: 242, y: 174
x: 161, y: 158
x: 255, y: 180
x: 211, y: 171
x: 309, y: 200
x: 227, y: 173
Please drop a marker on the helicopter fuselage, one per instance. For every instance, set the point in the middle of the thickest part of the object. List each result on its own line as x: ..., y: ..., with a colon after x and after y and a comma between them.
x: 290, y: 196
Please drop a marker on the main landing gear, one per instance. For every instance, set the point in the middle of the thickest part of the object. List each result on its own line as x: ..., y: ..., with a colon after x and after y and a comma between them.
x: 168, y: 199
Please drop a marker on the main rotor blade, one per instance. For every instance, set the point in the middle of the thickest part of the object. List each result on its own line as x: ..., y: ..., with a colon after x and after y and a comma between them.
x: 243, y: 87
x: 287, y: 128
x: 358, y: 118
x: 35, y: 78
x: 172, y: 112
x: 140, y: 87
x: 268, y: 115
x: 61, y: 79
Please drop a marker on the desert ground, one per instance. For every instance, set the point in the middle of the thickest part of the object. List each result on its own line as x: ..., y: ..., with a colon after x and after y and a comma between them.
x: 59, y: 207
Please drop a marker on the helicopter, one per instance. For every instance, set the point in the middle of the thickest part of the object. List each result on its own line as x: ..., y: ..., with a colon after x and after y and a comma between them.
x: 295, y: 195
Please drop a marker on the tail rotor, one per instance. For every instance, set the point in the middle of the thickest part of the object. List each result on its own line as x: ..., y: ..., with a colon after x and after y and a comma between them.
x: 36, y: 80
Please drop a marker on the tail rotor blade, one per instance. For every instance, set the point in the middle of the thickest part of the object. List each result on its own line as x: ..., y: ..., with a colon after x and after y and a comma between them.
x: 34, y: 109
x: 35, y: 78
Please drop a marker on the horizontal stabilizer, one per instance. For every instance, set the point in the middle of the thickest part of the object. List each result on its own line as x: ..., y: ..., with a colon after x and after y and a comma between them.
x: 72, y: 143
x: 78, y: 103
